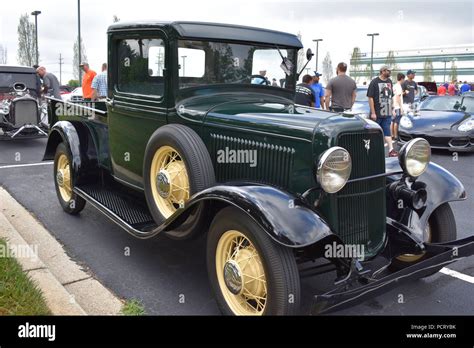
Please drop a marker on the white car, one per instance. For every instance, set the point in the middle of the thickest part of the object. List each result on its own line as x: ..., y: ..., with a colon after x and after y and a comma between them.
x: 74, y: 96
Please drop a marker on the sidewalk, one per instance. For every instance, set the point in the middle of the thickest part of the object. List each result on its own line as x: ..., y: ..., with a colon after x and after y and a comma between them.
x: 67, y: 288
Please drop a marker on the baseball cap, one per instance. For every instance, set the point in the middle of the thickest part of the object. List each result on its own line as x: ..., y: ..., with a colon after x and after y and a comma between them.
x: 411, y: 72
x: 83, y: 63
x: 385, y: 67
x: 316, y: 74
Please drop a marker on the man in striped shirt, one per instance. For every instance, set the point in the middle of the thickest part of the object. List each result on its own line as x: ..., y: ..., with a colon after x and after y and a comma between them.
x: 99, y: 84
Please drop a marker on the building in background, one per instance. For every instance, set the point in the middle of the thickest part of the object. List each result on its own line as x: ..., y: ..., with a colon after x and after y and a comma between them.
x: 438, y: 64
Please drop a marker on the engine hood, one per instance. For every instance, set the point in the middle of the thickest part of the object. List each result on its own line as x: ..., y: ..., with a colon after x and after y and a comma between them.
x: 268, y: 114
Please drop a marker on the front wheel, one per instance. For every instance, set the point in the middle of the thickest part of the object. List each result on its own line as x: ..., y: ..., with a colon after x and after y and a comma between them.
x: 441, y: 227
x: 69, y: 200
x: 249, y: 272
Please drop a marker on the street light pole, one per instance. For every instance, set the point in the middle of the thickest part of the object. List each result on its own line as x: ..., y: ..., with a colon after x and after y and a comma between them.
x: 184, y: 61
x: 317, y: 49
x: 79, y: 38
x: 36, y: 13
x: 372, y: 55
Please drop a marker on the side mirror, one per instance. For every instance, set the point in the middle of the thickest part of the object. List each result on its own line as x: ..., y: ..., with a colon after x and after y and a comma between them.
x: 309, y: 54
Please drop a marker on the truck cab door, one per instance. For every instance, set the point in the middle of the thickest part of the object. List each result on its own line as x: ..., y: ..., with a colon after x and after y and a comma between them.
x: 137, y: 108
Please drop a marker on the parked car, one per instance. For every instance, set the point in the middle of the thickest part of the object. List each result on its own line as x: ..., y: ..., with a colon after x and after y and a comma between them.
x: 74, y: 96
x: 273, y: 185
x: 20, y: 110
x: 361, y: 104
x: 65, y: 89
x: 431, y: 87
x: 446, y: 122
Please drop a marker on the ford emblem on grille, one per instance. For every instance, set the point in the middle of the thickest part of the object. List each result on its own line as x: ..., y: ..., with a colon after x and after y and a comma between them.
x: 367, y: 144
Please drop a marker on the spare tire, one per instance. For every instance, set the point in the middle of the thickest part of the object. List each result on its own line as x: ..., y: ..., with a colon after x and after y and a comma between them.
x: 176, y: 166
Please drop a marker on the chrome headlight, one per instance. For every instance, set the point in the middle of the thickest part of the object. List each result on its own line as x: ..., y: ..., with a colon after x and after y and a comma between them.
x: 415, y: 156
x: 5, y: 107
x: 405, y: 122
x: 466, y: 125
x: 334, y: 169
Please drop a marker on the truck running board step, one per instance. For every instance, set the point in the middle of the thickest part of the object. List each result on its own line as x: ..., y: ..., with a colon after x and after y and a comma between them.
x: 131, y: 214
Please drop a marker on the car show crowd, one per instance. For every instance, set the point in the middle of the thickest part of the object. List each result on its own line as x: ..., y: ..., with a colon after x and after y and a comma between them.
x: 388, y: 101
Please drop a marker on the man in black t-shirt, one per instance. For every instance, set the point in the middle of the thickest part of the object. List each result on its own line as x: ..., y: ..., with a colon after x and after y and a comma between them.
x: 380, y: 93
x: 304, y: 93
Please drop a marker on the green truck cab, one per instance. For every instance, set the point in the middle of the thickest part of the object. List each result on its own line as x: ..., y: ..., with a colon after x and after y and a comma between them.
x: 200, y: 136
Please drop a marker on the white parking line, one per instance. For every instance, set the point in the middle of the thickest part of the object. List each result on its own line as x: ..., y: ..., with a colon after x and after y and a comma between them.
x: 458, y: 275
x: 27, y: 165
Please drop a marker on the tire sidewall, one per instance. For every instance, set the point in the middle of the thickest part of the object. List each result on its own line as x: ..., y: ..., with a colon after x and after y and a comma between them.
x: 79, y: 203
x: 258, y: 237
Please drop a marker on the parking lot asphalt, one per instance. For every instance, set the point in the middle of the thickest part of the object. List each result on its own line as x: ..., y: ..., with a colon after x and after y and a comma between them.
x: 170, y: 277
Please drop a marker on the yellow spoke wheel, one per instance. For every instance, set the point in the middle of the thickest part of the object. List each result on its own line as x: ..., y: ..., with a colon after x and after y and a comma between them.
x: 240, y: 274
x: 169, y: 180
x: 415, y: 257
x: 63, y: 177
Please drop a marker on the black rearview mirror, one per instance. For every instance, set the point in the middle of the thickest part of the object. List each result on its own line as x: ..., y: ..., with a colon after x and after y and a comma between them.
x: 309, y: 54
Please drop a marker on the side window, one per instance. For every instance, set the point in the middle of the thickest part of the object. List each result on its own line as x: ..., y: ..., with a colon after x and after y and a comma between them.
x: 140, y: 66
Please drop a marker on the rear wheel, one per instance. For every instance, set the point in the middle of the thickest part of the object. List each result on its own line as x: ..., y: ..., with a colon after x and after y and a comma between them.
x: 69, y: 200
x: 249, y: 272
x: 441, y: 227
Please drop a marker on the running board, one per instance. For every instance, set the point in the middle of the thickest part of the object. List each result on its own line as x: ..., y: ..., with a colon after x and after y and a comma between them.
x: 128, y: 212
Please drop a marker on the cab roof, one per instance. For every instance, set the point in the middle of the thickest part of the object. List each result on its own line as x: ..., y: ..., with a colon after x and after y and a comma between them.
x: 214, y: 31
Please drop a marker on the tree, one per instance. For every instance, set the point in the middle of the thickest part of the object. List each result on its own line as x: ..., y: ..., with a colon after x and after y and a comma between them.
x: 356, y: 67
x: 73, y: 83
x: 327, y: 67
x: 3, y: 55
x: 26, y: 41
x: 428, y: 70
x: 367, y: 72
x: 391, y: 62
x: 453, y: 73
x: 115, y: 19
x: 76, y: 61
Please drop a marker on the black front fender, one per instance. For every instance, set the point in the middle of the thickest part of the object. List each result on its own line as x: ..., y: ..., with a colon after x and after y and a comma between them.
x: 282, y: 215
x: 441, y: 185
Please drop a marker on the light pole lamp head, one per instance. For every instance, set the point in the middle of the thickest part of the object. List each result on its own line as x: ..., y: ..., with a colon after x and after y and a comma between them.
x: 35, y: 13
x: 373, y: 34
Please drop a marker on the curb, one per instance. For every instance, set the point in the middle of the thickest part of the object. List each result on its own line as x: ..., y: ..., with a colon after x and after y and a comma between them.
x: 67, y: 288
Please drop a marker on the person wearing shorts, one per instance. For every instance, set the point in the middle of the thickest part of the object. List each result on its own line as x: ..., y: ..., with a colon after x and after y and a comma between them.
x: 380, y: 94
x: 397, y: 105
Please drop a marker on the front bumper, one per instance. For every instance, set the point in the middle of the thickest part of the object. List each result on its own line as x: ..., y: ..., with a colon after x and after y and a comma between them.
x: 360, y: 287
x: 454, y: 142
x: 27, y: 131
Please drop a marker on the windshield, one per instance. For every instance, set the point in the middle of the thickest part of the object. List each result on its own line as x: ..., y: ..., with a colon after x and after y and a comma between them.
x: 449, y: 104
x: 440, y: 103
x: 204, y: 63
x: 361, y: 95
x: 8, y: 79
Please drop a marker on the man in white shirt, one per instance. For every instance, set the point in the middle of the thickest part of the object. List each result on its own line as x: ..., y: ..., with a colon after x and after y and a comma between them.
x: 397, y: 104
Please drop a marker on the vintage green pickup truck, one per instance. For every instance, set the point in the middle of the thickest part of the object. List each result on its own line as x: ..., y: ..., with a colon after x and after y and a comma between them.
x: 200, y: 135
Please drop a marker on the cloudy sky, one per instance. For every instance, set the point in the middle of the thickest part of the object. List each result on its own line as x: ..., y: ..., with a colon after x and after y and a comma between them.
x: 342, y: 24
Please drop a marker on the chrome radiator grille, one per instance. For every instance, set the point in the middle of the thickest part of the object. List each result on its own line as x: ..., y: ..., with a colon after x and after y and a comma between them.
x: 25, y: 111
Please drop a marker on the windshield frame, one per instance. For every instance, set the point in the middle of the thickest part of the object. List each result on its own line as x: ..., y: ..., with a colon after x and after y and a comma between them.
x: 291, y: 80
